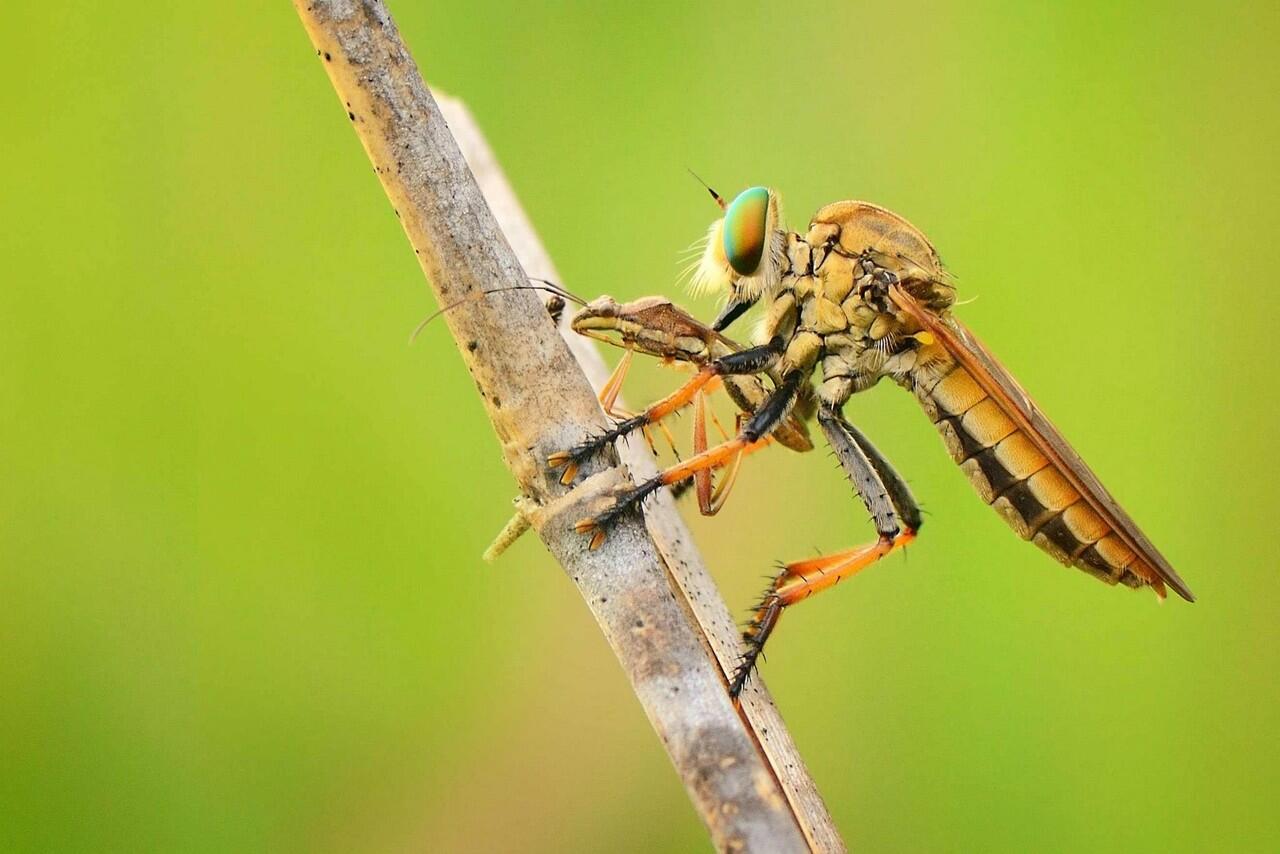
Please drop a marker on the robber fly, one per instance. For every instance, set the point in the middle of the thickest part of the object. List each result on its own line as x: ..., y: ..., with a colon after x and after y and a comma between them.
x: 862, y: 296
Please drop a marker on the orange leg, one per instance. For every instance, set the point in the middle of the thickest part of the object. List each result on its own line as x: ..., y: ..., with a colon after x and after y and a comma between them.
x: 716, y: 457
x: 753, y: 435
x: 702, y: 480
x: 797, y: 582
x: 893, y: 510
x: 711, y: 500
x: 681, y: 397
x: 609, y: 392
x: 752, y: 360
x: 609, y: 402
x: 571, y: 459
x: 804, y: 578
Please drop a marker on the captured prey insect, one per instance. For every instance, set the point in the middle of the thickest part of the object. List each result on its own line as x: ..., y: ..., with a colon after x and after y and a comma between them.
x: 657, y: 327
x: 862, y: 296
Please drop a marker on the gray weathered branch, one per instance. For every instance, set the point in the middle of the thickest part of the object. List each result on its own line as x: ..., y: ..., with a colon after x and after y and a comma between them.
x: 646, y: 587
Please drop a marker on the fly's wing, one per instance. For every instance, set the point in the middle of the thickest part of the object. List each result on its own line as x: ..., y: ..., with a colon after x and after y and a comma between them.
x: 972, y: 355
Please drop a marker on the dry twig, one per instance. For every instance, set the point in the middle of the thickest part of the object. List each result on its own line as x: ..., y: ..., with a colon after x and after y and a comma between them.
x: 647, y: 587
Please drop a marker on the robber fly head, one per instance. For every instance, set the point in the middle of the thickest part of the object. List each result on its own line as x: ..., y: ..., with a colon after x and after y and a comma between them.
x: 744, y: 248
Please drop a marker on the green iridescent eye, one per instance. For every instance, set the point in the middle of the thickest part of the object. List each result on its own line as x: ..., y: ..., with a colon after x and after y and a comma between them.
x: 744, y: 229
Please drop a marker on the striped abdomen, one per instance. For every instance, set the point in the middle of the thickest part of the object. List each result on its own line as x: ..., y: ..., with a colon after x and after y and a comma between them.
x: 1012, y: 475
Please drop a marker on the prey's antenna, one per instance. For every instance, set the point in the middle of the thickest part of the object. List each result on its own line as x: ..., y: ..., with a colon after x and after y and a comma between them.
x: 543, y: 285
x: 714, y: 194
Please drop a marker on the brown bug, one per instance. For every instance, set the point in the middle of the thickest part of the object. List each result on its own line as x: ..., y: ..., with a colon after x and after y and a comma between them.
x: 862, y: 296
x: 657, y: 327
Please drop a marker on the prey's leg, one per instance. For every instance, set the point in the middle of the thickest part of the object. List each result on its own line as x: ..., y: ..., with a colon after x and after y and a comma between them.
x: 609, y: 392
x: 609, y: 403
x: 712, y: 496
x: 754, y: 432
x: 893, y: 510
x: 752, y: 360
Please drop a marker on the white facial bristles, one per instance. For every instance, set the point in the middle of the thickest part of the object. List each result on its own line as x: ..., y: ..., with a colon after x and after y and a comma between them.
x: 713, y: 273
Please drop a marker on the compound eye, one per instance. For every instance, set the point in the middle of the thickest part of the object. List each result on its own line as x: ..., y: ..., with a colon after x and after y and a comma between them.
x: 744, y: 230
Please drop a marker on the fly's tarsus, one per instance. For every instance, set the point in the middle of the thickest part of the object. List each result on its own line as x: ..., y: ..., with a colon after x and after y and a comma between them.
x: 757, y: 632
x: 573, y: 459
x: 630, y: 501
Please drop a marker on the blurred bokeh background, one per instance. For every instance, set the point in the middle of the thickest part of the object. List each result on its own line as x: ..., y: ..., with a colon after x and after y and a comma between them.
x: 241, y: 603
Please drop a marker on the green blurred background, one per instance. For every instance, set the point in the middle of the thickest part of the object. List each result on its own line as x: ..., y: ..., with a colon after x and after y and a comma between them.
x: 242, y: 604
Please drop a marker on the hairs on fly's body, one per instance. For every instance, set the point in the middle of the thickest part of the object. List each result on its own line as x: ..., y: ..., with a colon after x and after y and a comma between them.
x: 710, y: 271
x: 888, y: 344
x: 691, y: 258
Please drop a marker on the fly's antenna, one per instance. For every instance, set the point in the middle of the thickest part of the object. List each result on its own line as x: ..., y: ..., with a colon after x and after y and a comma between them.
x: 714, y: 194
x: 543, y: 285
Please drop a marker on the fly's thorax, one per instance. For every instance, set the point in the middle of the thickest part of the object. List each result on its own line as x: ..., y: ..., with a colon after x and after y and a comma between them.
x: 843, y: 306
x: 874, y: 240
x: 831, y: 303
x: 779, y: 318
x: 799, y: 256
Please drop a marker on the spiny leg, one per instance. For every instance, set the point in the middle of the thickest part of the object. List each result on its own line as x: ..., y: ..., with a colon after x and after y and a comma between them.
x: 752, y: 360
x: 797, y: 582
x: 715, y: 384
x: 753, y: 433
x: 571, y: 459
x: 893, y: 510
x: 899, y: 493
x: 609, y: 402
x: 724, y: 454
